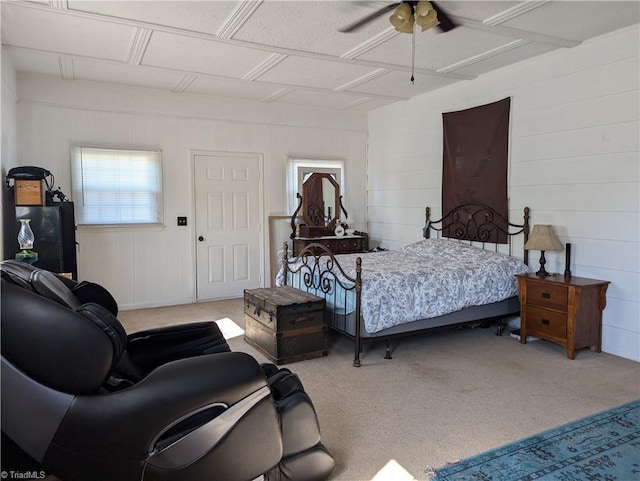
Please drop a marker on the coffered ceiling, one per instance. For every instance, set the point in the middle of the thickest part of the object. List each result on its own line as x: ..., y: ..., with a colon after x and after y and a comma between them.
x: 290, y: 51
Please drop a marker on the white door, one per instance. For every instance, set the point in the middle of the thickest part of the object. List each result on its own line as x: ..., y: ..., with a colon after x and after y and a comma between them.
x: 228, y: 224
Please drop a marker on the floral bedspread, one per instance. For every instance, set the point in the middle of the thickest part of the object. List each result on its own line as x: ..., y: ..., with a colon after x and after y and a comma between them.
x: 430, y: 278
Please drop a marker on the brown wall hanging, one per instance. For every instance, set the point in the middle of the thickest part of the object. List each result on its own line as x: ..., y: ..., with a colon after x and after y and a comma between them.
x: 475, y: 160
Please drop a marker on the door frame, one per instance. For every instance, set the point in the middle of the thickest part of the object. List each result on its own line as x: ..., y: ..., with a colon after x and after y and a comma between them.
x: 261, y: 215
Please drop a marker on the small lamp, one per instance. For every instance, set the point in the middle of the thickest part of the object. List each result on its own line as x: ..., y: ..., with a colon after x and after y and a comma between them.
x: 543, y: 238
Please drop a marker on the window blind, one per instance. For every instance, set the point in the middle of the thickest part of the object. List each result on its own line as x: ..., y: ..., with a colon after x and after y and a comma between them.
x: 117, y: 186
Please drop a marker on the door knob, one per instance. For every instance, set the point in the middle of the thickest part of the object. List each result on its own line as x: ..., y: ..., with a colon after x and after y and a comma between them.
x: 200, y: 238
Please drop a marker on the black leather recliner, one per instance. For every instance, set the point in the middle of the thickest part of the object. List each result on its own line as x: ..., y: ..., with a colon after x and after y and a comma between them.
x: 88, y: 402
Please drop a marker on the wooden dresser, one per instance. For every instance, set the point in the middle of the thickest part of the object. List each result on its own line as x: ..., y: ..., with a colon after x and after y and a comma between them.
x: 564, y: 310
x: 347, y: 244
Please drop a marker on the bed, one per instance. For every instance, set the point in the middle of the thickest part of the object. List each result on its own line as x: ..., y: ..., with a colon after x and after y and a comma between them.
x: 462, y: 270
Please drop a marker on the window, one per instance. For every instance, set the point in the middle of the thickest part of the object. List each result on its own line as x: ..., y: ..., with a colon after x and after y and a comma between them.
x: 298, y: 170
x: 117, y: 186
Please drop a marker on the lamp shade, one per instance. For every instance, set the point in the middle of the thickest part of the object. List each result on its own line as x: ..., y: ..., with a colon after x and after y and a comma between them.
x: 402, y: 18
x: 426, y: 15
x: 543, y: 238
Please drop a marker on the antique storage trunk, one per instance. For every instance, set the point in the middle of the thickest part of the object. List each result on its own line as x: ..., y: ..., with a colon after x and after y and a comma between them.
x: 285, y: 324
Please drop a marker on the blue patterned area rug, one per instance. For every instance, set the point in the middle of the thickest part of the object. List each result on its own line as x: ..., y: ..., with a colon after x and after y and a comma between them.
x: 601, y: 447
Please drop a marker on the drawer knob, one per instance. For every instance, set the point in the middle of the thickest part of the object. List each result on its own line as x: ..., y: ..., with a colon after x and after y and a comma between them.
x: 545, y: 321
x: 546, y: 295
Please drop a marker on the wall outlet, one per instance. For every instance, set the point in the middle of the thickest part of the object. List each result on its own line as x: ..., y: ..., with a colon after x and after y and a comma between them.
x: 182, y: 221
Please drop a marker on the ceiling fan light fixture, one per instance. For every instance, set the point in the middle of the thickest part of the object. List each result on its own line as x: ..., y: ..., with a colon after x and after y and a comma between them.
x: 406, y: 26
x: 426, y: 16
x: 402, y: 18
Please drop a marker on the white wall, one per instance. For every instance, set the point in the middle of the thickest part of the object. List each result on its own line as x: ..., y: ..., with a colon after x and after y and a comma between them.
x: 8, y: 129
x: 574, y: 160
x: 9, y: 99
x: 150, y: 267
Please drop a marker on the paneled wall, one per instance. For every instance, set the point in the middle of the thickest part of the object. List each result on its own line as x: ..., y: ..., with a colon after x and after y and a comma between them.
x: 156, y: 266
x: 574, y: 160
x: 8, y: 143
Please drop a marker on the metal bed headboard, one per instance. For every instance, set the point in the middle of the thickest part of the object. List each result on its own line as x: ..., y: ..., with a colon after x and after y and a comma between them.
x: 477, y: 222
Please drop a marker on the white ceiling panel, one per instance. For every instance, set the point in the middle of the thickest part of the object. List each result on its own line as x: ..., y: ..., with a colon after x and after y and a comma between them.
x: 578, y: 20
x: 201, y: 56
x: 436, y: 50
x: 27, y: 61
x: 508, y: 57
x: 198, y: 16
x: 398, y: 84
x: 295, y: 20
x: 52, y: 30
x: 328, y: 100
x: 291, y: 51
x: 231, y: 88
x: 124, y: 74
x: 314, y: 72
x: 476, y: 10
x: 371, y: 103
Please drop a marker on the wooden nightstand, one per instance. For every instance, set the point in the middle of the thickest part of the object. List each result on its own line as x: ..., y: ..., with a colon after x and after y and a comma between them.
x: 564, y: 310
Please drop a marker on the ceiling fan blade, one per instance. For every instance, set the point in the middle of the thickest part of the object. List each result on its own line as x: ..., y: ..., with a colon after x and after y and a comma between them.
x: 446, y: 23
x: 352, y: 27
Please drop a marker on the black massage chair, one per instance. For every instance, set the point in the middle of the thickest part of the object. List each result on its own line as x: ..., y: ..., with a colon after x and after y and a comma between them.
x: 88, y: 402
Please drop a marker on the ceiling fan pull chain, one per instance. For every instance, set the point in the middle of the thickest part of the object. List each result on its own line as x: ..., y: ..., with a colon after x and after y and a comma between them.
x: 413, y: 53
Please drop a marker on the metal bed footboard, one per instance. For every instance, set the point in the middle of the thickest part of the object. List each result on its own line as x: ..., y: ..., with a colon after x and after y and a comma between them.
x: 317, y: 271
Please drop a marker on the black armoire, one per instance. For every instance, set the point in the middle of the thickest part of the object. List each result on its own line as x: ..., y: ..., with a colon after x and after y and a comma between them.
x: 54, y: 229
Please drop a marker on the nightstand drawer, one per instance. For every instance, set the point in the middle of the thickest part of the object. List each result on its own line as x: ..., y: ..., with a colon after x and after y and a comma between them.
x: 545, y: 294
x: 546, y: 323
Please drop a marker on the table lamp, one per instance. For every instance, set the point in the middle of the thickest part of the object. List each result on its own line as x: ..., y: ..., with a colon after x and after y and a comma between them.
x: 543, y: 238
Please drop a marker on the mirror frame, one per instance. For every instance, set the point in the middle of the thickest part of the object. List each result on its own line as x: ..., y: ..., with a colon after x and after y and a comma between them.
x: 313, y: 230
x: 336, y: 206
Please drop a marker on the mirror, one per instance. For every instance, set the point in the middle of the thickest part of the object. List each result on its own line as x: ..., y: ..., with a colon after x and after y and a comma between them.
x: 320, y: 206
x: 320, y: 200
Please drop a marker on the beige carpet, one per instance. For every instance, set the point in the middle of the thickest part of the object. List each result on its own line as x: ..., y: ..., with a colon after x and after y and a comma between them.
x: 447, y: 394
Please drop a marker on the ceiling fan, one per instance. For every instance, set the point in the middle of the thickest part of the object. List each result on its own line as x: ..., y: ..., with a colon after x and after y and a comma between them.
x: 406, y: 14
